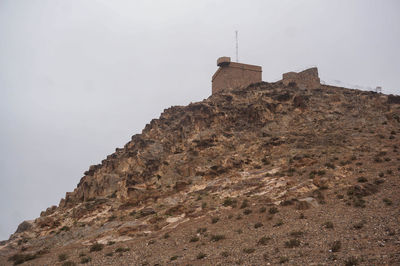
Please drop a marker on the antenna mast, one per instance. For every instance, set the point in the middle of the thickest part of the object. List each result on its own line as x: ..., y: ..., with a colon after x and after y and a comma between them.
x: 237, y: 47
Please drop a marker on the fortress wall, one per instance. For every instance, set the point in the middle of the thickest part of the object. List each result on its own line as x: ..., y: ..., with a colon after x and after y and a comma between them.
x: 234, y: 75
x: 237, y: 75
x: 306, y: 79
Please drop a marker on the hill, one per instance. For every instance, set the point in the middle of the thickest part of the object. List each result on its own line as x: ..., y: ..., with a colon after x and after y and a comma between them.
x: 268, y: 174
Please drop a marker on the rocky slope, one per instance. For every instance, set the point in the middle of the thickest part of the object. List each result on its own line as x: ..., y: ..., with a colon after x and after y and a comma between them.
x: 266, y: 174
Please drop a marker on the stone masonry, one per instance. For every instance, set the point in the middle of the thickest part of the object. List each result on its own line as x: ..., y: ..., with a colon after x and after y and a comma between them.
x: 305, y: 79
x: 234, y: 75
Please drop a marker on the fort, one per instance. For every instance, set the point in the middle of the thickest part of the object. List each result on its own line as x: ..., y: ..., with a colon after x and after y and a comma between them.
x: 305, y: 79
x: 236, y: 75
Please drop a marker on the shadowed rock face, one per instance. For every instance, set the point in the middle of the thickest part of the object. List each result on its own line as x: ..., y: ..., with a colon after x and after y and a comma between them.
x: 269, y: 143
x: 394, y: 99
x: 24, y: 226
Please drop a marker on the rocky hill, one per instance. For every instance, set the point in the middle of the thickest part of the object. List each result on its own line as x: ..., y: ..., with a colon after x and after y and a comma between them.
x: 264, y: 175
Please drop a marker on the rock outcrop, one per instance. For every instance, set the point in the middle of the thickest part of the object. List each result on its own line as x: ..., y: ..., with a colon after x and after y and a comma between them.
x: 270, y: 144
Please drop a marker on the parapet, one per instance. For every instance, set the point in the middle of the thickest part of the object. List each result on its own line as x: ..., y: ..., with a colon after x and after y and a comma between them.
x: 305, y: 79
x: 234, y: 75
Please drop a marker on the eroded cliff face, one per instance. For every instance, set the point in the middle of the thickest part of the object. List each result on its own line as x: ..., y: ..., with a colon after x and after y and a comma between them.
x: 230, y: 132
x: 227, y: 133
x: 269, y: 141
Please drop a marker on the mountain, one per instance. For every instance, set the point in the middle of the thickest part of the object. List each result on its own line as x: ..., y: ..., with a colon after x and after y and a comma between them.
x: 263, y: 175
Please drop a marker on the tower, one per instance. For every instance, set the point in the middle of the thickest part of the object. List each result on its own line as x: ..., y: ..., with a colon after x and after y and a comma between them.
x: 234, y: 75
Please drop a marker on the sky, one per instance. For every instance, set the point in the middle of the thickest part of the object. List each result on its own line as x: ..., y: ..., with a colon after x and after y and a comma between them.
x: 78, y: 78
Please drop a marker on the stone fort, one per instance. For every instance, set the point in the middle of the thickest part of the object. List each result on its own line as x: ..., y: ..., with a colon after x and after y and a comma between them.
x: 232, y: 75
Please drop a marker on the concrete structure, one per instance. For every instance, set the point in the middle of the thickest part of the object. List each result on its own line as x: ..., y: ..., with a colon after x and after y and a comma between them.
x: 307, y: 79
x: 234, y: 75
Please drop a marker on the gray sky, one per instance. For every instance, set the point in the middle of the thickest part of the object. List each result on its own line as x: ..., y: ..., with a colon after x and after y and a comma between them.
x: 78, y: 78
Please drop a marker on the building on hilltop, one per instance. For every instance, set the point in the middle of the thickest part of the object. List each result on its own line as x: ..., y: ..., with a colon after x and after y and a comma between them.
x: 234, y: 75
x: 305, y: 79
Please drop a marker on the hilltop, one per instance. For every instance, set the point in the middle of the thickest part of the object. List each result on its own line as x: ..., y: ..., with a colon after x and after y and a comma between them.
x: 271, y: 173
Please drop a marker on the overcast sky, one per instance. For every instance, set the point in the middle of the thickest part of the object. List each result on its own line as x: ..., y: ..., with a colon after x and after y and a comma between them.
x: 78, y: 78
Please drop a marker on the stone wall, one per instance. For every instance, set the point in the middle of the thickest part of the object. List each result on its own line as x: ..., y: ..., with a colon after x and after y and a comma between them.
x: 234, y: 75
x: 307, y: 79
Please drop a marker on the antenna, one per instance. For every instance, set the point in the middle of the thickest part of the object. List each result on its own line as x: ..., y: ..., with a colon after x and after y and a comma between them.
x: 237, y: 47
